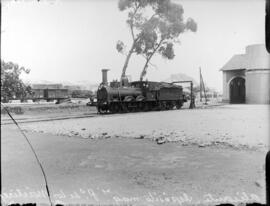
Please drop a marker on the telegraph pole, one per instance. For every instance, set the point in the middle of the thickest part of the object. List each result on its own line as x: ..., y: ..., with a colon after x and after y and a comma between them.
x: 200, y: 84
x: 192, y: 102
x: 267, y: 175
x: 202, y: 87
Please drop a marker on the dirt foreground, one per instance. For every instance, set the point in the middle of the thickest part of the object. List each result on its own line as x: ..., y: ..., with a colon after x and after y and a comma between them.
x: 128, y: 171
x: 122, y: 165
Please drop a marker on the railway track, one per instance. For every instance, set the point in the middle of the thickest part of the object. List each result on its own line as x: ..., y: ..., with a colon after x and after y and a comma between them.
x: 8, y: 121
x: 28, y: 120
x: 42, y: 119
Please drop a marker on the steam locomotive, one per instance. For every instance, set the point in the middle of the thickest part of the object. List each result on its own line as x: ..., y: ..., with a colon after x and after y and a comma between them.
x: 138, y: 96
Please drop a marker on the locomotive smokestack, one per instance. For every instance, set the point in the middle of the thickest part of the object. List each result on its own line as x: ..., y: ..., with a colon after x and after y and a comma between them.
x: 105, y: 76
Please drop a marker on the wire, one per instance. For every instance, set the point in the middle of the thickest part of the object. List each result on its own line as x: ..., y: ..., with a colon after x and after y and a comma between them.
x: 39, y: 163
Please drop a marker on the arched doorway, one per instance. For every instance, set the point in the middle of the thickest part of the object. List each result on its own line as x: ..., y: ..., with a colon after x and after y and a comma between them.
x: 237, y: 90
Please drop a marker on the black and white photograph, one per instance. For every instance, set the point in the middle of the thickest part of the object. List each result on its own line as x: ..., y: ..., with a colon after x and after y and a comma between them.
x: 135, y: 102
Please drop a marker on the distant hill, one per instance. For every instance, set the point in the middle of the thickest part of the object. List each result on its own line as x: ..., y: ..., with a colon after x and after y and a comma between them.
x: 84, y: 85
x: 87, y: 85
x: 181, y: 77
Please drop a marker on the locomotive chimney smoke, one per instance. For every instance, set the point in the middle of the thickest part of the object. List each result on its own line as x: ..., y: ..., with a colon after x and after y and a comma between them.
x: 105, y: 76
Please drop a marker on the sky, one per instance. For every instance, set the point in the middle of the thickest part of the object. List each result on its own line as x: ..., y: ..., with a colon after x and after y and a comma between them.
x: 72, y: 40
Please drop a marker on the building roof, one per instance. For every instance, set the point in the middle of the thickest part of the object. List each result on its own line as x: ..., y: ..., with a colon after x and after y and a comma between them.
x: 238, y: 61
x: 256, y: 57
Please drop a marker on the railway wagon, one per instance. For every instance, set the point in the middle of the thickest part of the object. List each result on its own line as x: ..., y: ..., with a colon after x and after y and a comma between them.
x: 49, y: 94
x: 138, y: 96
x: 56, y: 93
x: 37, y: 94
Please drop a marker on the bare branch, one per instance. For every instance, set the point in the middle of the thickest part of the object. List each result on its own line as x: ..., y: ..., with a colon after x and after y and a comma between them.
x: 149, y: 58
x: 155, y: 49
x: 153, y: 65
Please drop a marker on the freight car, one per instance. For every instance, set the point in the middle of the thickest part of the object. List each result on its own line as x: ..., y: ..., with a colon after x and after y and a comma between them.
x: 138, y: 96
x: 49, y: 94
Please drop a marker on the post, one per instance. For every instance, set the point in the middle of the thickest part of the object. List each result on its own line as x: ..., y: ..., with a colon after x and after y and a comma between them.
x: 200, y: 85
x: 267, y: 177
x: 192, y: 103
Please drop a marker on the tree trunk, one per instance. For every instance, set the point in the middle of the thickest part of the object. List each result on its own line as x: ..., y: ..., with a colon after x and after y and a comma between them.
x: 127, y: 60
x: 148, y: 60
x: 144, y: 70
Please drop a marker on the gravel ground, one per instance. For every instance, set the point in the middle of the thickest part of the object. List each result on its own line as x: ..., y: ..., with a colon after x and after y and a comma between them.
x: 125, y: 171
x: 236, y: 126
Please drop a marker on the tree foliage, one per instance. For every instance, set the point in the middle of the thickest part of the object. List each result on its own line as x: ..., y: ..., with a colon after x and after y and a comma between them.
x: 155, y: 27
x: 12, y: 87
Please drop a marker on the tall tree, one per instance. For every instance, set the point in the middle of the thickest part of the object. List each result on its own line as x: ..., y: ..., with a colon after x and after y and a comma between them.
x: 11, y: 84
x: 155, y: 27
x: 134, y: 20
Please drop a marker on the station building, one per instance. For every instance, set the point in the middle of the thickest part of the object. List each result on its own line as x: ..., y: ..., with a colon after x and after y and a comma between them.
x: 246, y: 77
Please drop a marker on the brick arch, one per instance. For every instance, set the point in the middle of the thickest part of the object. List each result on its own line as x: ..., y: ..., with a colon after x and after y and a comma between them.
x: 241, y: 76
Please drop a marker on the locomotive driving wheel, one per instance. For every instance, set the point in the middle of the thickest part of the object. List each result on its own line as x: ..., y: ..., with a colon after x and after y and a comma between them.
x: 146, y: 107
x: 162, y: 106
x: 124, y: 108
x: 170, y: 105
x: 178, y: 105
x: 140, y: 106
x: 101, y: 111
x: 114, y: 108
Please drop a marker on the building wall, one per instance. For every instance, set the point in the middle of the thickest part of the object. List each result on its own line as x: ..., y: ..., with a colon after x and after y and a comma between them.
x: 227, y: 77
x: 258, y: 86
x: 258, y: 75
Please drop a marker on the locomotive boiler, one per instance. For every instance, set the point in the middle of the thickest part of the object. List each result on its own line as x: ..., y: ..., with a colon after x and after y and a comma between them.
x: 137, y: 96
